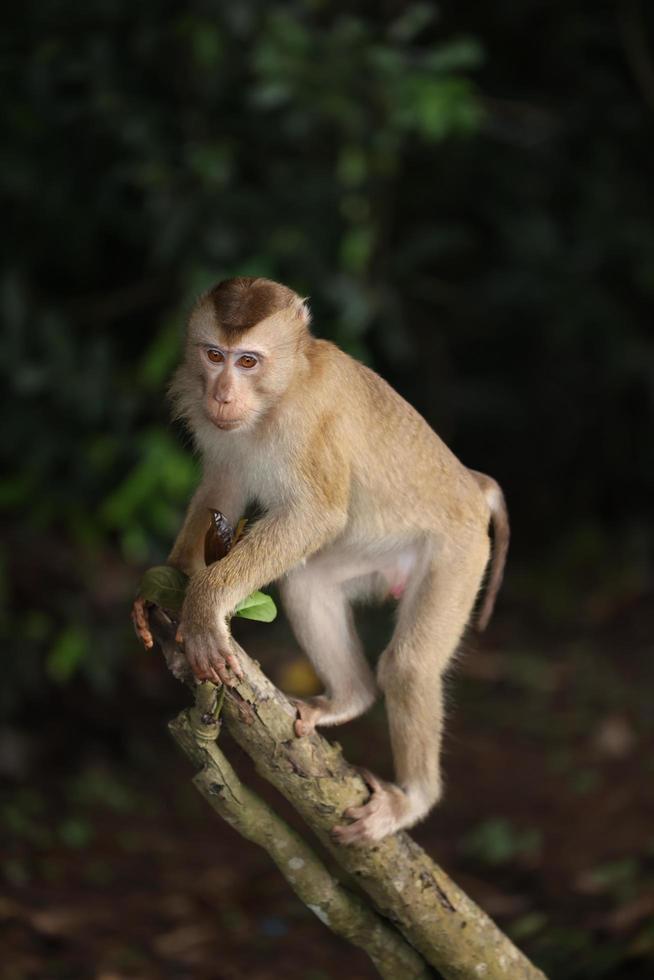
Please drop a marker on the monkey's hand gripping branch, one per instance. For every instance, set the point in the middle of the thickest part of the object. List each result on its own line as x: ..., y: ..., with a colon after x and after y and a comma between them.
x: 450, y: 932
x: 272, y: 545
x: 205, y: 635
x: 207, y: 644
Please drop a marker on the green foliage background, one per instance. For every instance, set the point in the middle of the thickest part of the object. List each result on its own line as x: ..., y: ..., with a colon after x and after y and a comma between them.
x: 465, y: 195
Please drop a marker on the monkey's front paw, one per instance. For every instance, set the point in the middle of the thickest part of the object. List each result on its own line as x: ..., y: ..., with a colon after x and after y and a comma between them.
x: 210, y: 657
x: 384, y: 813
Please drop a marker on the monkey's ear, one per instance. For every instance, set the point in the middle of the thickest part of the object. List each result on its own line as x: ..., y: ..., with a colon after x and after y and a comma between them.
x: 302, y: 310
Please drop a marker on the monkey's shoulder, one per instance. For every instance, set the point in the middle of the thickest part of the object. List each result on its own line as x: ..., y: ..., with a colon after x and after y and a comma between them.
x: 354, y: 381
x: 393, y: 418
x: 361, y: 418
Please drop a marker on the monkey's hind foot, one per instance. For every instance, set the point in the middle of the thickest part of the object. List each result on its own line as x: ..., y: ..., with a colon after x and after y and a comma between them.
x: 387, y: 810
x: 309, y: 714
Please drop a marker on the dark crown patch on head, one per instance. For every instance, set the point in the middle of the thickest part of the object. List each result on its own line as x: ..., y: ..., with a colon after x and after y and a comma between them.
x: 244, y: 301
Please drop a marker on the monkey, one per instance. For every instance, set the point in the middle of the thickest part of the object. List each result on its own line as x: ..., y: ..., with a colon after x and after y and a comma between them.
x: 359, y: 497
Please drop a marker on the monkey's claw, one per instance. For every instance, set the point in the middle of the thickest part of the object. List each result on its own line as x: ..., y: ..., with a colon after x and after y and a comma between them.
x: 378, y: 817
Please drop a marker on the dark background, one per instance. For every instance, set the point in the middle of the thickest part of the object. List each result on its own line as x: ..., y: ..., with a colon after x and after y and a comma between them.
x: 465, y: 193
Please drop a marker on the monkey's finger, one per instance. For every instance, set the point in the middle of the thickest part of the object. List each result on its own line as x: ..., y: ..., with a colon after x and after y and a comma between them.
x: 198, y: 664
x: 225, y: 673
x: 208, y: 666
x: 141, y: 623
x: 138, y: 614
x: 138, y: 626
x: 232, y: 661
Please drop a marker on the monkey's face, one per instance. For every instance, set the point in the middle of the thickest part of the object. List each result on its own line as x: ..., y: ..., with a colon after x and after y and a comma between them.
x: 241, y: 376
x: 231, y: 390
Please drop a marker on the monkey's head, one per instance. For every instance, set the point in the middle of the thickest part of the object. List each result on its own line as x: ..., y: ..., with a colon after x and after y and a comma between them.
x: 244, y: 340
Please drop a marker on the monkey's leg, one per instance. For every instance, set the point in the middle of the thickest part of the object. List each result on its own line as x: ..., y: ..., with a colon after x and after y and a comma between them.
x: 321, y: 618
x: 432, y: 617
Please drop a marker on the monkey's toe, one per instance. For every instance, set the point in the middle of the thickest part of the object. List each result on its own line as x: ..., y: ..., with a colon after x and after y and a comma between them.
x: 305, y: 723
x: 381, y: 815
x: 373, y: 804
x: 309, y: 714
x: 371, y: 825
x: 303, y: 728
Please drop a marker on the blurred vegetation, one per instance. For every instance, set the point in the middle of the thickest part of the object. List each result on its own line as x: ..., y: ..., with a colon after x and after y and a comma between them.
x: 465, y: 195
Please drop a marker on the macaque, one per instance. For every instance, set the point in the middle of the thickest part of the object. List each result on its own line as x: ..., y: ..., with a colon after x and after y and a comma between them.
x: 359, y: 498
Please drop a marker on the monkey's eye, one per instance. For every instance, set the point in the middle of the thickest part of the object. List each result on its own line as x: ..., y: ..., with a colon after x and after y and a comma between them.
x: 215, y: 356
x: 247, y: 361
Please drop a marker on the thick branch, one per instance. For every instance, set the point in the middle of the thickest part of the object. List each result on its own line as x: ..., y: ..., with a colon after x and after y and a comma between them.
x: 342, y: 911
x: 437, y: 918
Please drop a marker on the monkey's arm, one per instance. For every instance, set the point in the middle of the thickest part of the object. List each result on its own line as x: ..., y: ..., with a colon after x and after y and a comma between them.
x: 215, y: 491
x: 187, y: 553
x: 274, y: 544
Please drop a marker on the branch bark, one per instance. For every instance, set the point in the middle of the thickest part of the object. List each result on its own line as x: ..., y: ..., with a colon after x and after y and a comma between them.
x: 341, y: 910
x: 435, y: 916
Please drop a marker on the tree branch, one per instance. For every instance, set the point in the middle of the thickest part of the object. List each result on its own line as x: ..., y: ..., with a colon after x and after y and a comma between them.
x: 342, y: 911
x: 438, y: 919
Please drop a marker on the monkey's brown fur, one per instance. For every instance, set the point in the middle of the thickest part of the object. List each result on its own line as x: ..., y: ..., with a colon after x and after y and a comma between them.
x: 360, y: 497
x: 241, y: 303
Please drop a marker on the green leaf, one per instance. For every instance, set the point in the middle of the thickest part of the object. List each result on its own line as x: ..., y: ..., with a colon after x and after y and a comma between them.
x: 257, y: 606
x: 165, y: 586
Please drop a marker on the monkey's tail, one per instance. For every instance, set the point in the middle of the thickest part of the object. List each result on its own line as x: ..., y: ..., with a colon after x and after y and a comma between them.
x: 501, y: 533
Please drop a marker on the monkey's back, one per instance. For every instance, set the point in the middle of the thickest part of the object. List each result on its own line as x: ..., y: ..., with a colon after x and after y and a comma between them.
x: 396, y: 457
